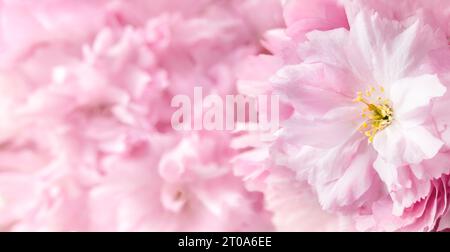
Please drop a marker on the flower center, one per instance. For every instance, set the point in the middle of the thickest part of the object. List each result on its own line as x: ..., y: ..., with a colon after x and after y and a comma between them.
x: 377, y: 111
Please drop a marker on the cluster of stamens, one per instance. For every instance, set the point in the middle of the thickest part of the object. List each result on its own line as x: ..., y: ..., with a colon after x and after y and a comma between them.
x: 377, y: 111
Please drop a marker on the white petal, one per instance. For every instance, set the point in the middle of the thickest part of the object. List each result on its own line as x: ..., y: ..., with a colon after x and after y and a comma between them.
x: 336, y: 127
x: 388, y: 143
x: 421, y: 144
x: 409, y: 94
x: 406, y: 145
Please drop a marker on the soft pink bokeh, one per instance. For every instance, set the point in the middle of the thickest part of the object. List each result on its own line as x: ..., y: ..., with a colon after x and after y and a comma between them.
x: 85, y: 135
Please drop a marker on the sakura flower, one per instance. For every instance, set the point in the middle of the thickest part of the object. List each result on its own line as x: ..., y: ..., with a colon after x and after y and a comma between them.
x: 362, y: 128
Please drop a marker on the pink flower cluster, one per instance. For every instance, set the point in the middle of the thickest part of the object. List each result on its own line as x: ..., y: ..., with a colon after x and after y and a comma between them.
x: 86, y: 141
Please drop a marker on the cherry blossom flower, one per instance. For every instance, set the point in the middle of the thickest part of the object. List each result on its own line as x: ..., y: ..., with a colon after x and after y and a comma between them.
x: 362, y: 132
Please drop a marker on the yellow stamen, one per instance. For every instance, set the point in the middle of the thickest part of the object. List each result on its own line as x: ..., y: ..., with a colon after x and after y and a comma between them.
x: 379, y: 113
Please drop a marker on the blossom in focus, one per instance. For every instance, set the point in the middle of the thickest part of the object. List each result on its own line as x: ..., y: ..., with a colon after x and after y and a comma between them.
x: 363, y: 134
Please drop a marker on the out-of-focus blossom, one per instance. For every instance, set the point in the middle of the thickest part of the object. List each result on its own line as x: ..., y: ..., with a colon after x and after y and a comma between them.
x: 191, y: 189
x: 85, y: 135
